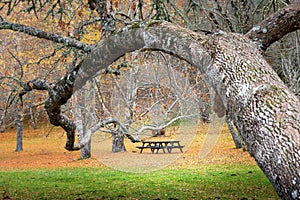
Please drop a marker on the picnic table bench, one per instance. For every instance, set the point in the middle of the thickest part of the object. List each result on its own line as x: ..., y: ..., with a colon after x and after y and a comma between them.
x: 157, y: 145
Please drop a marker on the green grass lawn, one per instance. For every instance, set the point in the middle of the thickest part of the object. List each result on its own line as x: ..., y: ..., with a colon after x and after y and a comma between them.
x: 196, y: 182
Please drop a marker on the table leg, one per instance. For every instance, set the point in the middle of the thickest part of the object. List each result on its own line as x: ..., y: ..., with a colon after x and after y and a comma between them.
x: 152, y: 150
x: 180, y: 147
x: 171, y: 147
x: 141, y: 151
x: 162, y: 146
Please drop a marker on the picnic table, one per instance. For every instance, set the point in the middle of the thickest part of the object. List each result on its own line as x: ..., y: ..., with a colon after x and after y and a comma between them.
x: 163, y: 145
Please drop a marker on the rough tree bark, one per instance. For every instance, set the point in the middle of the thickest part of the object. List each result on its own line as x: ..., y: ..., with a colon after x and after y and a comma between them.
x: 276, y: 26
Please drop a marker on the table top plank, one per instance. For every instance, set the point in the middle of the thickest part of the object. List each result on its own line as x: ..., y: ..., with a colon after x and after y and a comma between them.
x: 162, y: 141
x: 162, y: 144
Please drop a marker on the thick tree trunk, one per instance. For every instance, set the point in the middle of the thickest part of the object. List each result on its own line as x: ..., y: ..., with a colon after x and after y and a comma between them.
x: 81, y: 111
x: 267, y: 110
x: 86, y: 150
x: 118, y: 142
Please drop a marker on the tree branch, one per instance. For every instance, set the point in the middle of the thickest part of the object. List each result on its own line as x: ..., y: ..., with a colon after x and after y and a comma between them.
x: 98, y: 126
x: 69, y: 42
x: 156, y: 128
x: 276, y: 26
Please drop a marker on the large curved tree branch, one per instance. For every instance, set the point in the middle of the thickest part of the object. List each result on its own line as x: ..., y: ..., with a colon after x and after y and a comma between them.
x: 276, y: 26
x: 267, y: 110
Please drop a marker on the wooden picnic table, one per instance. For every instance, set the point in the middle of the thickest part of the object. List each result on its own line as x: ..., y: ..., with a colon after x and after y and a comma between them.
x: 157, y: 145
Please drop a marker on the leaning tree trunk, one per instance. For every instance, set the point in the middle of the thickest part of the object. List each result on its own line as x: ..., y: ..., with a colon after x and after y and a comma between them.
x: 245, y: 83
x: 267, y: 110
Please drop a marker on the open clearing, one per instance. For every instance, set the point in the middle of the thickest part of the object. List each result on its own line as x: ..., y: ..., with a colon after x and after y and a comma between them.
x: 45, y: 170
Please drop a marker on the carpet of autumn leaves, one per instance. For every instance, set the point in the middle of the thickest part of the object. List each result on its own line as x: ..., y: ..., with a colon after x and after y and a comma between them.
x: 44, y: 149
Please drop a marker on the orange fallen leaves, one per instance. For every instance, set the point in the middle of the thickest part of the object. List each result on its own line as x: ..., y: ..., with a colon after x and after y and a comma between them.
x: 48, y: 152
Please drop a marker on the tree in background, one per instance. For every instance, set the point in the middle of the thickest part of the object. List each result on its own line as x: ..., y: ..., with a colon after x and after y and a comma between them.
x: 145, y: 99
x: 84, y: 22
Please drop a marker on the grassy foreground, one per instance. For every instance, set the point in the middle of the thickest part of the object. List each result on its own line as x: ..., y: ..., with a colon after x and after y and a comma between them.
x: 197, y: 182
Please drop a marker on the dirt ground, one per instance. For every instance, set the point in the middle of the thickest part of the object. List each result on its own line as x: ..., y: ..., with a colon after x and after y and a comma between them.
x: 44, y: 149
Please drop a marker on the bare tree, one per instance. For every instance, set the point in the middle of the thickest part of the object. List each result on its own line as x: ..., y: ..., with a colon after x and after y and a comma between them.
x: 146, y: 98
x: 83, y: 106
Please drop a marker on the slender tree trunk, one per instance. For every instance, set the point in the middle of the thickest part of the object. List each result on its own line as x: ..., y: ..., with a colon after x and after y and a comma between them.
x: 2, y: 128
x: 204, y: 111
x: 18, y: 121
x: 33, y: 116
x: 236, y: 139
x: 2, y: 117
